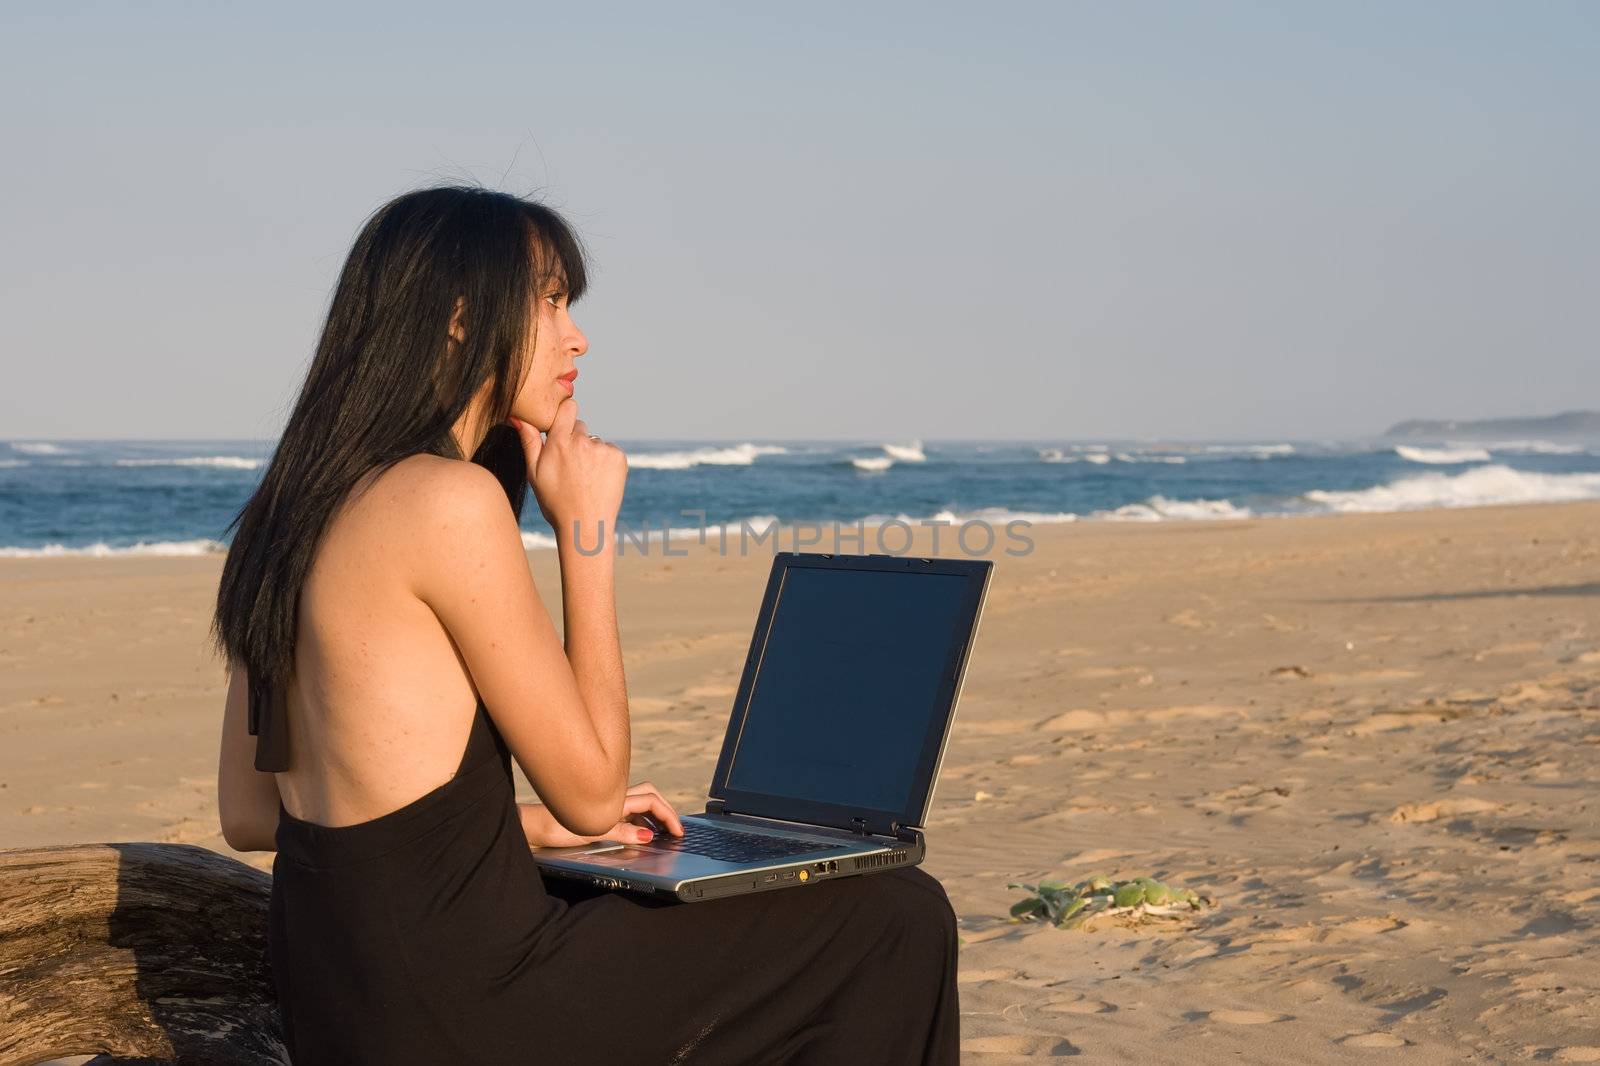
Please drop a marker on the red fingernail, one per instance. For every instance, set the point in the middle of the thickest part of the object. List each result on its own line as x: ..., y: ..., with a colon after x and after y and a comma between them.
x: 645, y: 834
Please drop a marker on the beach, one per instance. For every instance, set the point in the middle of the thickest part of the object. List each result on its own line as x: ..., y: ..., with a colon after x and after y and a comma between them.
x: 1373, y: 739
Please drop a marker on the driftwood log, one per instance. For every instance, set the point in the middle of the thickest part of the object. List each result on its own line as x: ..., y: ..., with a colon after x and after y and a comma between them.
x: 137, y: 952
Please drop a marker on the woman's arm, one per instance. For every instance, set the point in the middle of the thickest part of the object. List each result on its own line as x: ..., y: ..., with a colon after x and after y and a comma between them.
x: 592, y: 642
x: 247, y: 799
x: 467, y: 561
x: 541, y: 828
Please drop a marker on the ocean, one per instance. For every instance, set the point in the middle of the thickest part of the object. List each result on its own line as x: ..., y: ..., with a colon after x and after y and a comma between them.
x: 74, y: 497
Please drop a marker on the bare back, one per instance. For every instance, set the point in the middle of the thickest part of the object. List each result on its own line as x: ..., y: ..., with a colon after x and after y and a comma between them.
x: 382, y: 702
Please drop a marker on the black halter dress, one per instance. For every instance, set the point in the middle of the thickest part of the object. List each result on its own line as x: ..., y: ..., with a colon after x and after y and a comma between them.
x: 429, y: 936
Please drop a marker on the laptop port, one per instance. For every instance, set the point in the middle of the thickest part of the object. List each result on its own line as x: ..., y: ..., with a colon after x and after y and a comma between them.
x: 767, y: 880
x: 827, y: 867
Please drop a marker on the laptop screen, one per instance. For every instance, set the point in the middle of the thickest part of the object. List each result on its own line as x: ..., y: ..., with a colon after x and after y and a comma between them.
x: 847, y: 686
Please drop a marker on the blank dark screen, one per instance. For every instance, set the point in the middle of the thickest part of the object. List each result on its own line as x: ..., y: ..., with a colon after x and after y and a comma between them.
x: 845, y: 694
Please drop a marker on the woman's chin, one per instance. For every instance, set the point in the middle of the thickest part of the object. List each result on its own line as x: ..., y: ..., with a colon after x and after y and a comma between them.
x: 540, y: 420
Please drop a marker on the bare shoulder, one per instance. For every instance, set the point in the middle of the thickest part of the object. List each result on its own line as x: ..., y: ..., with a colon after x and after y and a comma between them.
x: 432, y: 496
x: 431, y: 482
x: 451, y: 512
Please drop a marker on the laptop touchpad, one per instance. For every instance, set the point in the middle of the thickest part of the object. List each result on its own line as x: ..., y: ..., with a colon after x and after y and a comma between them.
x: 644, y: 860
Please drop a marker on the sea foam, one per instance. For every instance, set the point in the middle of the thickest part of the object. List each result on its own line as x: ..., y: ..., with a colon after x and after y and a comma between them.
x: 738, y: 455
x: 1476, y: 487
x: 1466, y: 454
x: 1098, y: 455
x: 228, y: 462
x: 1257, y: 451
x: 199, y: 546
x: 1124, y: 457
x: 906, y: 453
x: 1161, y: 509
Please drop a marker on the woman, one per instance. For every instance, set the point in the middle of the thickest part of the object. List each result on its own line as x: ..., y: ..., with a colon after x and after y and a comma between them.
x: 390, y: 656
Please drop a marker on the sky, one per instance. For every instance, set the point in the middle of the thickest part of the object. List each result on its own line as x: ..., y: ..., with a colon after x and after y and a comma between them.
x: 1195, y: 221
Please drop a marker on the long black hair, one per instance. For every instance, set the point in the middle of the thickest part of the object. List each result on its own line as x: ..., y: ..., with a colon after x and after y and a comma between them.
x: 383, y: 385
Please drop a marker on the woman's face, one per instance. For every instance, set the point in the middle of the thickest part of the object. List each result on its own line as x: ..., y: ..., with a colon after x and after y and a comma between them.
x: 557, y: 342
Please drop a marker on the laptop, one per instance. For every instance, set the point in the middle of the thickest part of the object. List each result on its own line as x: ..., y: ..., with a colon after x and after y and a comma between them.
x: 835, y: 740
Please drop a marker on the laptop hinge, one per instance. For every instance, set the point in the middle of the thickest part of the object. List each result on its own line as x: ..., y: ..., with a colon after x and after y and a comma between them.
x: 716, y: 806
x: 894, y: 829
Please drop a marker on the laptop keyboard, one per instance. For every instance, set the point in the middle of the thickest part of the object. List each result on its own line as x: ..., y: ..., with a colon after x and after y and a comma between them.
x: 730, y: 845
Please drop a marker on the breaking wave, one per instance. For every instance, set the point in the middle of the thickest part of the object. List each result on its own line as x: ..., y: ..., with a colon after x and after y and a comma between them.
x: 1441, y: 455
x: 228, y: 462
x: 101, y: 549
x: 905, y: 453
x: 738, y: 455
x: 1477, y: 487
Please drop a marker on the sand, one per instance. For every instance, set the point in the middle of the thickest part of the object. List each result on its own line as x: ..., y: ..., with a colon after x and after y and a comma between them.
x: 1374, y: 739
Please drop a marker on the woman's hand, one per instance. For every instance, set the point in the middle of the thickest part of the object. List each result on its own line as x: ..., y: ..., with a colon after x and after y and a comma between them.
x: 542, y: 830
x: 577, y: 479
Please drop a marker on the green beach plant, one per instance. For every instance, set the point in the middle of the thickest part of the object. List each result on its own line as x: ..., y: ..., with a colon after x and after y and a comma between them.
x: 1068, y: 905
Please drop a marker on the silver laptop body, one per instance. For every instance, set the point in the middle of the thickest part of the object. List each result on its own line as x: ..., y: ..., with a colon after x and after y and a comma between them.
x: 837, y: 733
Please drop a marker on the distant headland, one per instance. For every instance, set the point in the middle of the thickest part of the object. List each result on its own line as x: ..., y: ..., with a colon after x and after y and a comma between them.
x: 1565, y: 424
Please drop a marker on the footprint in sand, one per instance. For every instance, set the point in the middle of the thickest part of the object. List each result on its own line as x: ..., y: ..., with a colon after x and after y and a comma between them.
x: 1289, y: 934
x: 1343, y: 931
x: 1243, y: 1017
x: 1083, y: 1005
x: 1248, y: 798
x: 1429, y: 812
x: 1375, y: 1040
x: 1384, y: 723
x: 1052, y: 1046
x: 1080, y: 718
